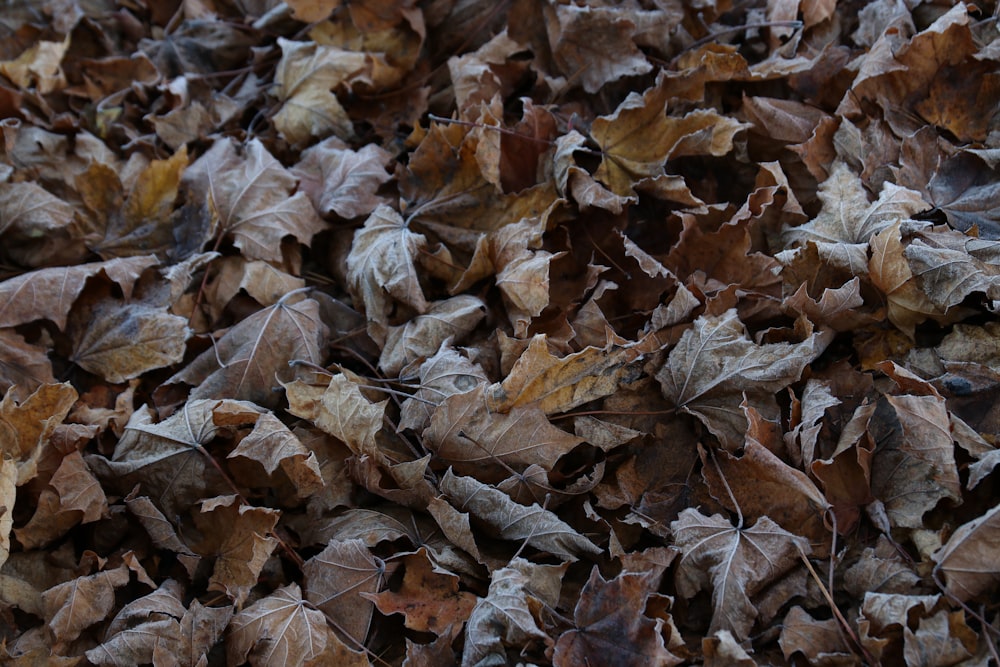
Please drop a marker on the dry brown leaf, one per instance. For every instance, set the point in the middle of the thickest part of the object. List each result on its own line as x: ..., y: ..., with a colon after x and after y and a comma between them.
x: 381, y: 268
x: 474, y: 439
x: 247, y: 193
x: 735, y: 562
x: 594, y: 45
x: 50, y: 293
x: 428, y: 598
x: 238, y: 537
x: 280, y: 629
x: 608, y: 624
x: 504, y: 617
x: 340, y: 410
x: 341, y: 181
x: 253, y: 356
x: 72, y: 607
x: 273, y: 446
x: 167, y: 458
x: 121, y: 341
x: 421, y: 337
x: 552, y: 384
x: 304, y: 81
x: 445, y: 374
x: 965, y: 560
x: 715, y: 365
x: 764, y: 485
x: 338, y: 581
x: 534, y: 525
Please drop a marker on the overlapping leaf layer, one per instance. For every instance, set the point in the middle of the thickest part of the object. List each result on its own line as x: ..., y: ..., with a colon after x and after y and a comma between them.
x: 424, y: 332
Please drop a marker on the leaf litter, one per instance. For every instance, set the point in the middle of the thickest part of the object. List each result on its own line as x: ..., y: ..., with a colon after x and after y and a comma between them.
x: 530, y: 332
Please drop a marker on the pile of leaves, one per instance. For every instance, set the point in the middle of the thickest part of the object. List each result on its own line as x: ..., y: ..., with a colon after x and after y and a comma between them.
x: 428, y: 332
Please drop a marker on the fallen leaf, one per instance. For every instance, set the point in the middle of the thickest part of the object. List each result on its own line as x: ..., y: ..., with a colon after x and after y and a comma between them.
x: 607, y: 625
x: 253, y: 356
x: 429, y: 598
x: 278, y: 629
x: 735, y: 562
x: 75, y: 605
x: 247, y: 193
x: 337, y: 580
x: 304, y: 80
x: 967, y: 573
x: 534, y: 525
x: 715, y: 365
x: 474, y: 439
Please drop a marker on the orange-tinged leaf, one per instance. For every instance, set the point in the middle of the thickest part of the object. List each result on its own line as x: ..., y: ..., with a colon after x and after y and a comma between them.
x: 428, y: 598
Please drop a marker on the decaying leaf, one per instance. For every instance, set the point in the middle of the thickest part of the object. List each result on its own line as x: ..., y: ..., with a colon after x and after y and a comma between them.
x: 715, y: 365
x: 734, y: 562
x: 534, y: 525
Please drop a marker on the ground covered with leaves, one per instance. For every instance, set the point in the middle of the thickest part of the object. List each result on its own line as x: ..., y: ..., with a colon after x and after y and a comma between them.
x: 433, y: 332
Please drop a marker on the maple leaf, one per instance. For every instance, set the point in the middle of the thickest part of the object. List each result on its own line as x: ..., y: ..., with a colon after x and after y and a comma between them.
x: 124, y: 223
x: 122, y: 341
x: 422, y: 336
x: 444, y: 374
x: 607, y: 625
x: 638, y: 137
x: 735, y: 562
x: 594, y: 44
x: 304, y: 80
x: 556, y: 384
x: 341, y: 410
x: 279, y: 629
x: 847, y: 221
x: 474, y: 439
x: 428, y: 598
x: 252, y: 356
x: 341, y: 181
x: 763, y: 485
x: 166, y: 458
x: 272, y: 445
x: 715, y: 364
x: 534, y: 525
x: 238, y: 537
x: 158, y: 629
x: 247, y: 193
x: 337, y: 580
x: 963, y: 560
x: 75, y: 605
x: 504, y: 616
x: 381, y: 268
x: 48, y: 294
